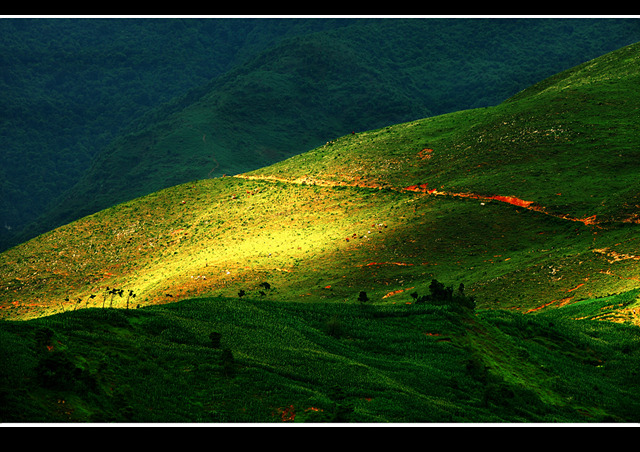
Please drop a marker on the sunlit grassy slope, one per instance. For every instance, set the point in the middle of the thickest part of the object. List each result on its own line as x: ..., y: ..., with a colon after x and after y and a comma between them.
x: 531, y: 204
x: 357, y: 214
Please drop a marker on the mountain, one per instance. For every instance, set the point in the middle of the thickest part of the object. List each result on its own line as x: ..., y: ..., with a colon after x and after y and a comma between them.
x: 70, y: 86
x: 310, y: 82
x: 476, y: 266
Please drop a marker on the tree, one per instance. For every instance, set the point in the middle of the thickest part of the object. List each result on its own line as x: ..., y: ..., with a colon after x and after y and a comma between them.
x: 265, y: 285
x: 104, y: 296
x: 131, y: 294
x: 440, y: 294
x: 113, y: 292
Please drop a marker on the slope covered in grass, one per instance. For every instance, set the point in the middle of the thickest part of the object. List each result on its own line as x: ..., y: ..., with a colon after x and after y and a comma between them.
x: 315, y: 272
x: 568, y: 144
x: 357, y: 213
x: 273, y: 362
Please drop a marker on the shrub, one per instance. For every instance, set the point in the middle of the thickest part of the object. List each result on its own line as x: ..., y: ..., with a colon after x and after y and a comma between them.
x: 440, y: 294
x: 265, y: 285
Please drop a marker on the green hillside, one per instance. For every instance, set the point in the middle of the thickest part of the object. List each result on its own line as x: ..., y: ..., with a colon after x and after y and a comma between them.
x: 477, y: 266
x: 273, y: 362
x: 291, y: 96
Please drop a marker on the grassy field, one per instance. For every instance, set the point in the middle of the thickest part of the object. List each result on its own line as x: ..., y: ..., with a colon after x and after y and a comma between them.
x: 220, y: 236
x: 274, y: 362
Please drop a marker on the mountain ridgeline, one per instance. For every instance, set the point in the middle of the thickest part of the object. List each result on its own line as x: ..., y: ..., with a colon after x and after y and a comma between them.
x: 475, y: 266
